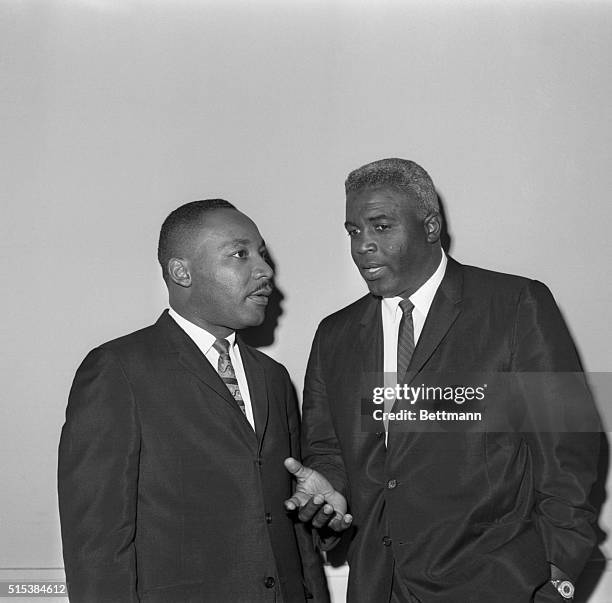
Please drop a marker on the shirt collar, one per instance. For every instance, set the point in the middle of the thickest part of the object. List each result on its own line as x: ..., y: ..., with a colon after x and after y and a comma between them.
x: 422, y: 298
x: 203, y: 338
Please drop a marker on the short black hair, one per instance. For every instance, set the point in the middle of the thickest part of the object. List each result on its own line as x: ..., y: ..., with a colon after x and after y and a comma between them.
x: 401, y: 174
x: 180, y: 224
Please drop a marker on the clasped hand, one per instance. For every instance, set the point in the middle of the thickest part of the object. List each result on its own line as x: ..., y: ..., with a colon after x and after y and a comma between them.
x: 317, y: 500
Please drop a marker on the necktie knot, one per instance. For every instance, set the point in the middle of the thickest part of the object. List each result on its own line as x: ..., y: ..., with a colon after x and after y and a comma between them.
x: 407, y: 306
x: 222, y: 346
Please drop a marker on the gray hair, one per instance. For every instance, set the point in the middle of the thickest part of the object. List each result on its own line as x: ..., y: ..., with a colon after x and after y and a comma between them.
x: 401, y: 174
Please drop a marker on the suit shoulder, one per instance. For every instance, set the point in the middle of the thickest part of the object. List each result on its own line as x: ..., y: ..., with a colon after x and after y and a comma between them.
x: 493, y: 278
x: 138, y: 344
x: 348, y: 313
x: 504, y: 290
x: 140, y: 338
x: 501, y: 282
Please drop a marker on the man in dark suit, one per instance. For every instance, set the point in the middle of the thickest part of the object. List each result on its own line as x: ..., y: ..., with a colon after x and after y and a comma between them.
x: 478, y: 510
x: 171, y: 478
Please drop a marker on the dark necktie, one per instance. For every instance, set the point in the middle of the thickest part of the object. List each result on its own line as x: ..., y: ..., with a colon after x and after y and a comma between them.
x: 405, y: 339
x: 226, y: 371
x: 405, y: 347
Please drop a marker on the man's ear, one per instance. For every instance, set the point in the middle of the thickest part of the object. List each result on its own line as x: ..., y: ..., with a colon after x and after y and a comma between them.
x: 433, y: 227
x: 178, y: 272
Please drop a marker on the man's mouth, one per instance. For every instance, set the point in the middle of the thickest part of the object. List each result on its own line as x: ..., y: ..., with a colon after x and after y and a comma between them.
x: 260, y: 296
x: 371, y: 271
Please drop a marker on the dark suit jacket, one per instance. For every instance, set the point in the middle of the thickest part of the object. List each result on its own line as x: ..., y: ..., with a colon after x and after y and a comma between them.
x: 466, y: 516
x: 166, y: 493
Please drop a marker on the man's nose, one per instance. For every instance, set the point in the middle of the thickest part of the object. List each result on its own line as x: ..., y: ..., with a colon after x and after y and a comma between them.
x: 364, y: 244
x: 263, y: 269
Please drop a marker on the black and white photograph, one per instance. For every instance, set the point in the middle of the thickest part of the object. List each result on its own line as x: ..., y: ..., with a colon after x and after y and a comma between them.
x: 306, y: 301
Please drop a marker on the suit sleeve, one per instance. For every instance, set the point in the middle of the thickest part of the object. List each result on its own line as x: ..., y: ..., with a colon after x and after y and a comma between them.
x: 97, y: 483
x: 564, y: 439
x: 312, y: 563
x: 320, y: 445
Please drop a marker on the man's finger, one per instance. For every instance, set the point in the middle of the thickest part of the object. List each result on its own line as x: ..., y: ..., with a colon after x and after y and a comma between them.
x: 340, y: 522
x: 294, y: 466
x: 311, y: 508
x: 323, y: 516
x: 299, y: 499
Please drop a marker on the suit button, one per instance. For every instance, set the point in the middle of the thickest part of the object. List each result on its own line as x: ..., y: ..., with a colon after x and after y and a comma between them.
x: 391, y: 484
x: 387, y: 541
x: 269, y: 582
x: 268, y: 517
x: 380, y: 434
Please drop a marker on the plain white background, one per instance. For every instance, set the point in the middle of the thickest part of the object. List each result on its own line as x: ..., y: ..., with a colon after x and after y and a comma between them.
x: 115, y: 112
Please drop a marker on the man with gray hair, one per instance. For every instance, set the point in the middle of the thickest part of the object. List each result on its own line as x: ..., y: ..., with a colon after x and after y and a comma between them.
x: 445, y: 507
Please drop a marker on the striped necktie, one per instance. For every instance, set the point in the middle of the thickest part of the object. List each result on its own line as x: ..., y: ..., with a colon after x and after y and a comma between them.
x: 405, y: 339
x: 226, y: 371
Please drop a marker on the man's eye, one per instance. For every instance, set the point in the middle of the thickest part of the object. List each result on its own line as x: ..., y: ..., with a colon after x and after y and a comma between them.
x: 353, y: 232
x: 381, y: 227
x: 241, y: 253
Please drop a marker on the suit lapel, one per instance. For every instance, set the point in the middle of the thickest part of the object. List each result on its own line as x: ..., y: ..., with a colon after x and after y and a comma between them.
x: 258, y: 390
x: 445, y: 309
x: 190, y: 358
x: 196, y: 364
x: 370, y: 349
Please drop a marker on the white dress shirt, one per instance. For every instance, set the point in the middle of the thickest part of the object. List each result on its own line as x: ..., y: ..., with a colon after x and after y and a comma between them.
x: 392, y: 316
x: 205, y: 340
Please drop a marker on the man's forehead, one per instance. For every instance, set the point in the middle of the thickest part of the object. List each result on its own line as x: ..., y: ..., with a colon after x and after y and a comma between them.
x: 381, y: 199
x: 228, y: 228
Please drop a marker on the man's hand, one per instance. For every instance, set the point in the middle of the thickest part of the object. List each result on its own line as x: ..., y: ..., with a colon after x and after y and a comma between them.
x: 317, y: 500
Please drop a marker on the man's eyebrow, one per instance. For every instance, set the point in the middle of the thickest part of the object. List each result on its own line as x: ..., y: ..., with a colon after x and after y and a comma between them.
x: 235, y: 242
x: 379, y: 217
x: 371, y: 219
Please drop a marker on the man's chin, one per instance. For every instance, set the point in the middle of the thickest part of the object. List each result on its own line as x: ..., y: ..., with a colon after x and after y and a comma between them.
x: 378, y: 288
x: 254, y: 319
